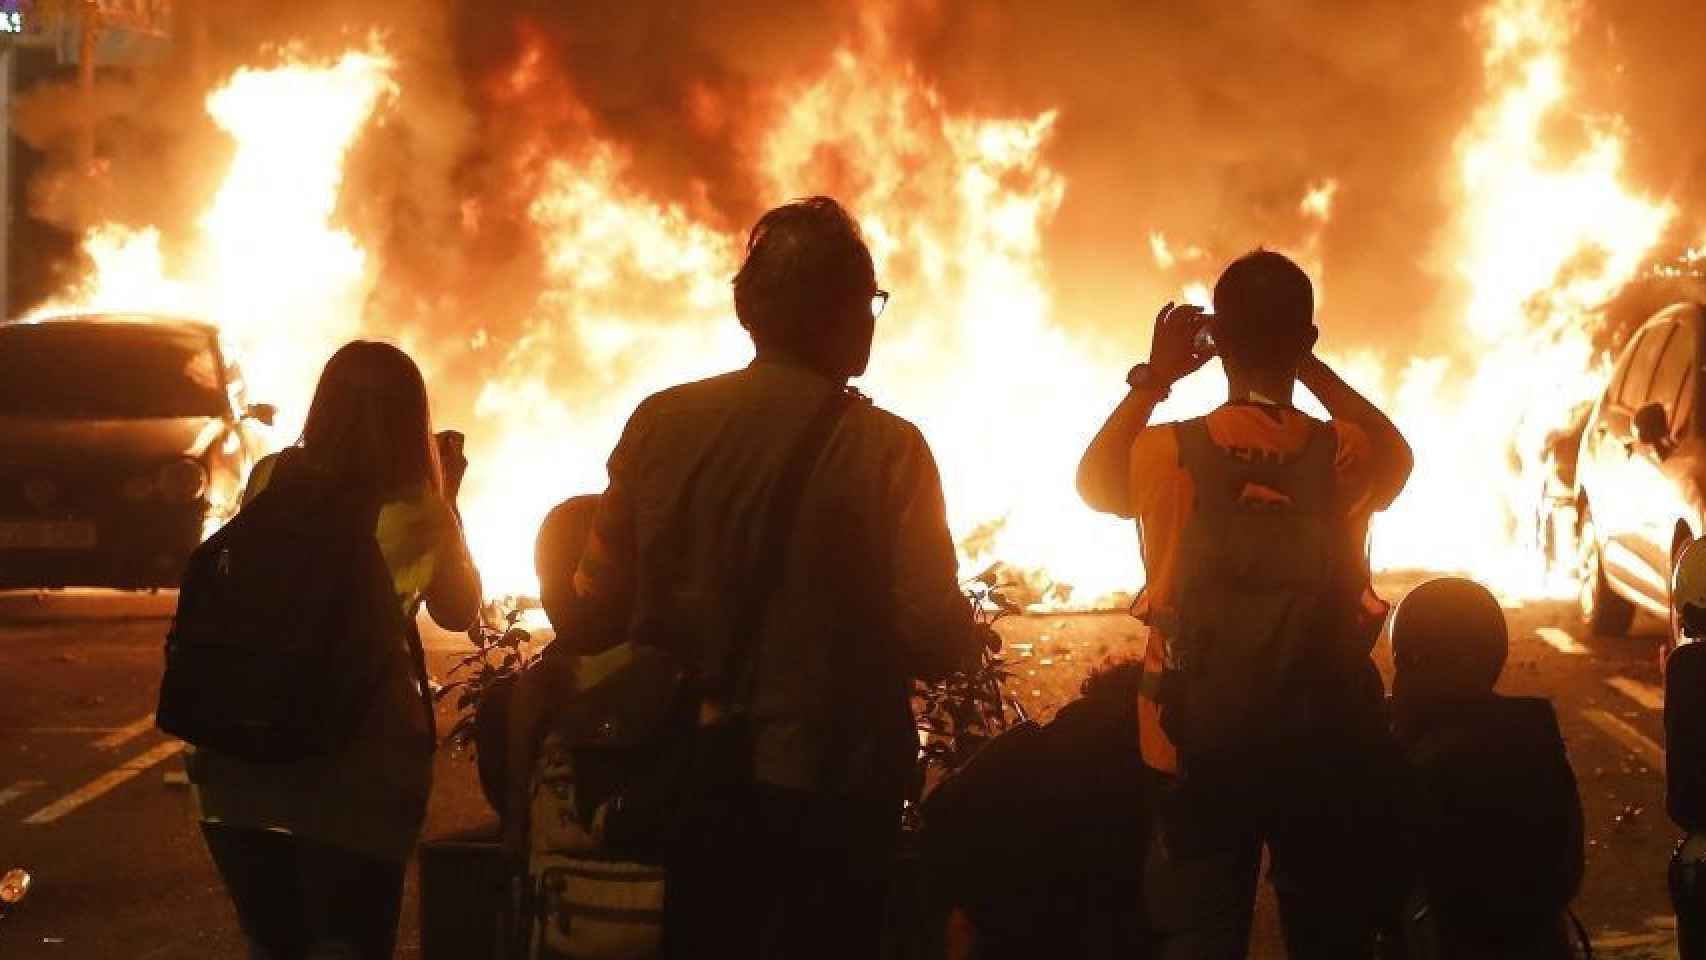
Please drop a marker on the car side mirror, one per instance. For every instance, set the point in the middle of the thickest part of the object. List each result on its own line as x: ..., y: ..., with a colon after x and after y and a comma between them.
x: 266, y: 413
x: 1652, y: 427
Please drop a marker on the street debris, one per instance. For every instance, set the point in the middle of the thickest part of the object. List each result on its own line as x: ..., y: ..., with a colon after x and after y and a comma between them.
x: 14, y: 885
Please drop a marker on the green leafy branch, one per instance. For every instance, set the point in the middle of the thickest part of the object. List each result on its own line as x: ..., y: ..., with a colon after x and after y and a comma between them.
x: 964, y: 710
x: 501, y: 652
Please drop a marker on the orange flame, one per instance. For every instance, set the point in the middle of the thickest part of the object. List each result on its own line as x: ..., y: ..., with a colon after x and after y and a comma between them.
x: 954, y: 208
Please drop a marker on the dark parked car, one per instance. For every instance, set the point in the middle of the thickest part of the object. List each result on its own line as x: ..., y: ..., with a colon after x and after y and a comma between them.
x: 1641, y: 471
x: 124, y: 440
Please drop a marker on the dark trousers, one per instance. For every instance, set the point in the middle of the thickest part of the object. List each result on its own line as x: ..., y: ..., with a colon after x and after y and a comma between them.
x: 1334, y: 862
x: 301, y: 900
x: 776, y: 873
x: 1688, y: 897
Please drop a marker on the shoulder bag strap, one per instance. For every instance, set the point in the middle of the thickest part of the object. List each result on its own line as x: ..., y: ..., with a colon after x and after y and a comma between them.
x: 766, y: 574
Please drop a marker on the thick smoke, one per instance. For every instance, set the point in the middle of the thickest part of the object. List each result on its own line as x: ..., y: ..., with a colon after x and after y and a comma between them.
x: 1209, y: 123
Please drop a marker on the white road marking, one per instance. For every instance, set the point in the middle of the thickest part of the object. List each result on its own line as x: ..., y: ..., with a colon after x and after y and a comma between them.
x: 1645, y: 694
x: 126, y: 733
x: 1636, y: 741
x: 1561, y: 641
x: 105, y: 782
x: 16, y: 790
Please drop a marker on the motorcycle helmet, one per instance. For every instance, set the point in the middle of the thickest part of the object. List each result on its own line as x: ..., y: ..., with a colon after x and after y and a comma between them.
x: 1688, y: 591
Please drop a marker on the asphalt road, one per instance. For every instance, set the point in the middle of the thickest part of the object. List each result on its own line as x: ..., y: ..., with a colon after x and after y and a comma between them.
x: 88, y: 804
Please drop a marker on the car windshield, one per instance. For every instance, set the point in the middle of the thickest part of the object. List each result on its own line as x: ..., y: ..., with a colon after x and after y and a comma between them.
x: 98, y: 371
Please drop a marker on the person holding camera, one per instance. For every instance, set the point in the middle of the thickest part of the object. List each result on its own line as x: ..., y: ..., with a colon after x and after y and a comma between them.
x: 1259, y: 703
x: 312, y: 848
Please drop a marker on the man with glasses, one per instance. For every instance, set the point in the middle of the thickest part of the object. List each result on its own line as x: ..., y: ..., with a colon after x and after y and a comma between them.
x: 863, y: 597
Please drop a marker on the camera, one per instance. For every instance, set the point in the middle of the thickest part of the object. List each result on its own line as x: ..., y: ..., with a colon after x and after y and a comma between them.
x: 1204, y: 342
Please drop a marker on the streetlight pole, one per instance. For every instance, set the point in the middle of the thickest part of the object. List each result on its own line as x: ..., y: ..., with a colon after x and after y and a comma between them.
x: 89, y: 15
x: 5, y: 180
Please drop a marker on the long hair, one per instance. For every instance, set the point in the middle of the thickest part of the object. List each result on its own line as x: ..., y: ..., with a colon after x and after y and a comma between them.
x: 369, y: 424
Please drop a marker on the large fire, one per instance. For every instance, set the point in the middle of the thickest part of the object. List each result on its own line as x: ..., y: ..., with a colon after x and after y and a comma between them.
x: 972, y: 348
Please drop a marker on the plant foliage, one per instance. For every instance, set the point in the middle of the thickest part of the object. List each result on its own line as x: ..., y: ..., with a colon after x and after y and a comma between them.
x: 502, y: 650
x: 964, y: 710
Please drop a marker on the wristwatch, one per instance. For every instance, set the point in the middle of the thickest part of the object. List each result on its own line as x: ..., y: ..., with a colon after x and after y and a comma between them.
x: 1142, y: 377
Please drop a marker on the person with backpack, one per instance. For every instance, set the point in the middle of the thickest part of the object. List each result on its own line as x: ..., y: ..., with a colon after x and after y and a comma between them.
x: 1260, y: 704
x: 1492, y: 810
x: 784, y: 544
x: 295, y: 670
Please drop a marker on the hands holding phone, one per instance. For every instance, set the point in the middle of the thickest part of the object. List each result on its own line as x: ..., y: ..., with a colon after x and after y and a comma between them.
x: 451, y: 461
x: 1182, y: 342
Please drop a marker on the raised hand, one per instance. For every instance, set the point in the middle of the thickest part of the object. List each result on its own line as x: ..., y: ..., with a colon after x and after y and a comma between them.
x: 1174, y: 352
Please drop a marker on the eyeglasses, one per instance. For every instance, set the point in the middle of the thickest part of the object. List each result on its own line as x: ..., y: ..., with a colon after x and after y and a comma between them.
x: 879, y: 303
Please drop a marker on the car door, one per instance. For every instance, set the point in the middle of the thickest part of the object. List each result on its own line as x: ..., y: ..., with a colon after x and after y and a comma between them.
x: 1658, y: 473
x: 1626, y: 477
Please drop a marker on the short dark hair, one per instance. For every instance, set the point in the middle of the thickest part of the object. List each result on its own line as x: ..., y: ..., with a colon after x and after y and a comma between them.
x: 1448, y: 638
x: 804, y: 260
x: 1264, y: 308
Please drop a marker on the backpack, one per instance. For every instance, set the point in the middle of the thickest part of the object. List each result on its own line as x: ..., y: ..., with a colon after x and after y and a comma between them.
x: 1267, y: 585
x: 284, y: 620
x: 581, y: 900
x: 1495, y: 812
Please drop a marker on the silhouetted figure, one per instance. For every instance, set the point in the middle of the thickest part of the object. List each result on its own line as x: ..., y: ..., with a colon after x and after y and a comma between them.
x: 1494, y: 816
x: 312, y: 851
x: 789, y: 856
x: 1685, y: 750
x: 557, y: 550
x: 1036, y: 845
x: 1259, y: 702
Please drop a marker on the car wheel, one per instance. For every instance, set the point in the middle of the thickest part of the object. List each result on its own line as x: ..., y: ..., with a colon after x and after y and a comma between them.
x: 1604, y: 612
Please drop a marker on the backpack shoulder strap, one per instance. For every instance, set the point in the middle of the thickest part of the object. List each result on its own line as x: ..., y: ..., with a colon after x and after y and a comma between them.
x: 1313, y: 471
x: 1216, y: 475
x: 1196, y: 446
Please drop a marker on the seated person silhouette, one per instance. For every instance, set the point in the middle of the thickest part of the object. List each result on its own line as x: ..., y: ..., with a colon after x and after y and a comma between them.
x: 1035, y: 847
x: 1495, y: 818
x: 556, y: 553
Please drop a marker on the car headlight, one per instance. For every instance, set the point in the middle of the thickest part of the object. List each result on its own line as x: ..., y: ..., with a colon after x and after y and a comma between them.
x: 182, y: 481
